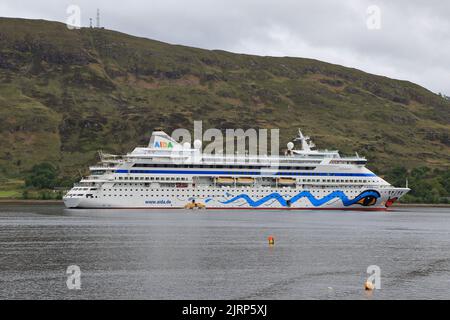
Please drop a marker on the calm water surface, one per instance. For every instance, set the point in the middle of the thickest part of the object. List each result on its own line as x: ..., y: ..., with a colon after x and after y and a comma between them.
x: 178, y: 254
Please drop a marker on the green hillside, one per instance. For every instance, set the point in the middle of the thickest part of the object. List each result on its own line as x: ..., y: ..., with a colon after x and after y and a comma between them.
x: 64, y: 94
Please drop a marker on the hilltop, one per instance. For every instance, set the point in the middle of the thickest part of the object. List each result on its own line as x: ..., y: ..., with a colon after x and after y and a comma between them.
x: 64, y: 94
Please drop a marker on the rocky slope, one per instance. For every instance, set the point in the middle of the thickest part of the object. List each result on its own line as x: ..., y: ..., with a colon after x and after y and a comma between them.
x: 64, y: 94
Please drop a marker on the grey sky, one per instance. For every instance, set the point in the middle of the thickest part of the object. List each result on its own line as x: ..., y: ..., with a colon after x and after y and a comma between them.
x: 413, y: 42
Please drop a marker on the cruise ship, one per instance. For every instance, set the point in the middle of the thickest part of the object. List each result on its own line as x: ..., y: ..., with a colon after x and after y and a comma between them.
x: 168, y: 175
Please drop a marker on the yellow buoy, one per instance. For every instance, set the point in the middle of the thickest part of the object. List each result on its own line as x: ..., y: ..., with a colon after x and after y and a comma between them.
x: 194, y: 205
x: 369, y: 286
x: 271, y: 240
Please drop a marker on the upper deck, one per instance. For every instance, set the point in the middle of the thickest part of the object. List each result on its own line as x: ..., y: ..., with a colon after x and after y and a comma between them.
x: 163, y: 149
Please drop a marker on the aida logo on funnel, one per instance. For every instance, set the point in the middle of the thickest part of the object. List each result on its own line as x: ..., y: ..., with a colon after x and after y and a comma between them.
x: 163, y: 144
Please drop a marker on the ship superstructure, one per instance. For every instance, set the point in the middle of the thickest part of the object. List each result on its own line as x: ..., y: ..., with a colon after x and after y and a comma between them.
x: 166, y: 174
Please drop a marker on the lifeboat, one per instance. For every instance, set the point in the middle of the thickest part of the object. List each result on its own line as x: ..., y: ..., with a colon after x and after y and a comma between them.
x: 286, y: 181
x: 181, y: 185
x: 224, y: 180
x: 245, y: 180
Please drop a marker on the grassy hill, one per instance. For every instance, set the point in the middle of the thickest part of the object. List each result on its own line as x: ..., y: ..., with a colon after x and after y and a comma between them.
x: 64, y: 94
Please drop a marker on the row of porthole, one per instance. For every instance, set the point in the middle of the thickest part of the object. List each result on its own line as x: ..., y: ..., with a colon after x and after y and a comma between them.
x: 249, y: 189
x: 299, y: 180
x: 252, y: 191
x: 260, y: 186
x: 152, y: 178
x: 194, y: 195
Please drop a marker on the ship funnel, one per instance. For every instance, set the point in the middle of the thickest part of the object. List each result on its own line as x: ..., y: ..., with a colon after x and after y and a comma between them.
x: 161, y: 140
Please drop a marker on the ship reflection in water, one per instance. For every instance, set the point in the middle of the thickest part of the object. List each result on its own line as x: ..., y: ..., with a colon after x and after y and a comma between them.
x: 215, y: 254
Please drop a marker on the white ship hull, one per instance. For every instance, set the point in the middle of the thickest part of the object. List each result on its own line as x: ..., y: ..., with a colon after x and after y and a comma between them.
x: 239, y: 199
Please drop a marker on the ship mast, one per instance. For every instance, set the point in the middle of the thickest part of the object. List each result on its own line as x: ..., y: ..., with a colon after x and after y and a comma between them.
x: 306, y: 145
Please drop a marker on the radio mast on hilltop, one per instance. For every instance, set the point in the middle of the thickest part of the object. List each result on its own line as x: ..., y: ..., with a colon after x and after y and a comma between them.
x: 98, y: 18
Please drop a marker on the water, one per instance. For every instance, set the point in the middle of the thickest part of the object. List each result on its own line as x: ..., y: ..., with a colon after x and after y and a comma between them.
x: 178, y: 254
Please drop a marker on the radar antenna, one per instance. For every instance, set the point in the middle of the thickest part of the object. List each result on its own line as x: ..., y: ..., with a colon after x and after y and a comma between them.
x: 306, y: 145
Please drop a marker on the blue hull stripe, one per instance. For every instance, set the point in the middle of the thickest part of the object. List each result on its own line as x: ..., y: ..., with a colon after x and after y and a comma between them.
x: 316, y: 202
x: 248, y: 173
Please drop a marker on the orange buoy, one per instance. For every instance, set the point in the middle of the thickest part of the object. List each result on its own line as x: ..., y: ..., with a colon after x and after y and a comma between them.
x: 271, y: 240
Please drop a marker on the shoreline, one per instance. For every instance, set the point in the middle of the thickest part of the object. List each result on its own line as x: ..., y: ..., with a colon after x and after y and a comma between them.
x: 418, y: 205
x: 30, y: 201
x: 44, y: 202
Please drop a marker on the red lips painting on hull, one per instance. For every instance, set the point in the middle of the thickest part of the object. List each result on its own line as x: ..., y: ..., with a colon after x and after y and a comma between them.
x: 390, y: 202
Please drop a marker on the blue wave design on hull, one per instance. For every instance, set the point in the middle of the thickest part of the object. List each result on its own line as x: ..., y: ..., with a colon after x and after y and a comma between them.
x: 314, y: 201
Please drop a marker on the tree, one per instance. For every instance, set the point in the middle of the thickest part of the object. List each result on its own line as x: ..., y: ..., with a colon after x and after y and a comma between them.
x: 420, y: 172
x: 42, y: 176
x: 397, y: 176
x: 445, y: 181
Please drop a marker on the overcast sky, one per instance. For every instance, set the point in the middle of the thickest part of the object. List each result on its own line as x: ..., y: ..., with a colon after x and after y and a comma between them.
x: 410, y: 40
